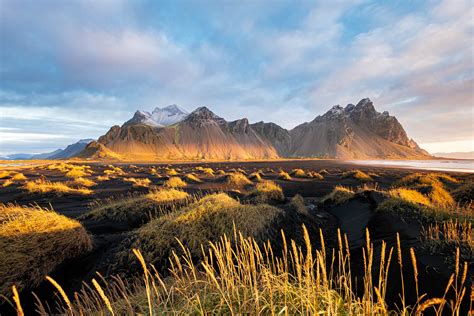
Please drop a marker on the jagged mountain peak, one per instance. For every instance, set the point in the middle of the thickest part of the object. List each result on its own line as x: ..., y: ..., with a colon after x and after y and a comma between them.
x: 159, y: 117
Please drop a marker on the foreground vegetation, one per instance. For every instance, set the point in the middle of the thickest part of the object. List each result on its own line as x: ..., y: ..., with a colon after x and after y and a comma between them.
x: 223, y: 253
x: 34, y: 241
x: 242, y: 277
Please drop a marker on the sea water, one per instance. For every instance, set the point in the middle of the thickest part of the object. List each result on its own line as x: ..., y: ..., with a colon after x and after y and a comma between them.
x: 459, y: 165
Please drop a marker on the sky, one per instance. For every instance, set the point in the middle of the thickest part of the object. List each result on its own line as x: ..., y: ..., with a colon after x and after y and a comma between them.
x: 72, y: 69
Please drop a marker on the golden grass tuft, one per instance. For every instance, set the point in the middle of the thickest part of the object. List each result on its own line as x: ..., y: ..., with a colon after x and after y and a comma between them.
x: 191, y: 178
x: 356, y: 174
x: 409, y: 195
x: 284, y: 175
x: 255, y: 176
x: 208, y: 171
x: 431, y: 185
x: 237, y: 179
x: 76, y: 173
x: 34, y: 241
x: 171, y: 172
x: 202, y: 221
x: 138, y: 208
x: 5, y: 174
x: 174, y: 182
x: 7, y: 183
x: 18, y: 177
x: 113, y: 171
x: 58, y: 188
x: 267, y: 190
x: 339, y: 195
x: 315, y: 175
x: 84, y: 182
x: 299, y: 173
x: 138, y: 182
x: 103, y: 178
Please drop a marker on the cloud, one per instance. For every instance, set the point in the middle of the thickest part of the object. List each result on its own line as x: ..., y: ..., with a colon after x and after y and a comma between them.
x: 81, y: 66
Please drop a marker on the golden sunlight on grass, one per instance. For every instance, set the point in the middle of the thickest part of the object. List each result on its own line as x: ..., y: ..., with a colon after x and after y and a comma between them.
x: 191, y: 178
x: 103, y: 178
x: 255, y: 176
x: 137, y: 208
x: 268, y: 190
x: 208, y: 171
x: 174, y: 182
x: 339, y: 195
x: 237, y: 179
x: 284, y: 175
x: 299, y: 173
x: 71, y: 170
x: 113, y: 171
x: 315, y: 175
x: 432, y: 186
x: 356, y: 174
x: 138, y: 182
x: 206, y: 219
x: 84, y: 182
x: 58, y: 188
x: 5, y: 174
x: 7, y: 183
x: 409, y: 195
x: 238, y: 276
x: 33, y: 241
x: 18, y: 177
x: 171, y: 172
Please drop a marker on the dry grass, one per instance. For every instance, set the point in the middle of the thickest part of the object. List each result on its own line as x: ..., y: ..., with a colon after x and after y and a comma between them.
x: 237, y: 276
x: 208, y: 171
x: 191, y: 178
x: 297, y: 202
x: 299, y: 173
x: 409, y: 195
x: 18, y: 177
x: 5, y: 174
x: 58, y: 188
x: 7, y: 183
x: 339, y: 195
x: 138, y: 208
x: 431, y: 185
x: 34, y: 241
x: 356, y: 174
x: 171, y: 172
x: 315, y: 175
x: 174, y: 182
x: 84, y: 182
x: 268, y: 191
x: 220, y: 172
x: 138, y: 182
x: 237, y: 179
x: 113, y: 171
x: 255, y: 176
x: 103, y: 178
x: 284, y: 175
x: 444, y: 238
x: 202, y: 221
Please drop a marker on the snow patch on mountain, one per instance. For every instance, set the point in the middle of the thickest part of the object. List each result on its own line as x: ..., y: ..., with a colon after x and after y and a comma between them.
x: 159, y: 117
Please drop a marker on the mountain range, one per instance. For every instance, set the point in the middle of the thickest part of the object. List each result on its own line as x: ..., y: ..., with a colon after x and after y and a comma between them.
x: 68, y: 152
x: 170, y: 133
